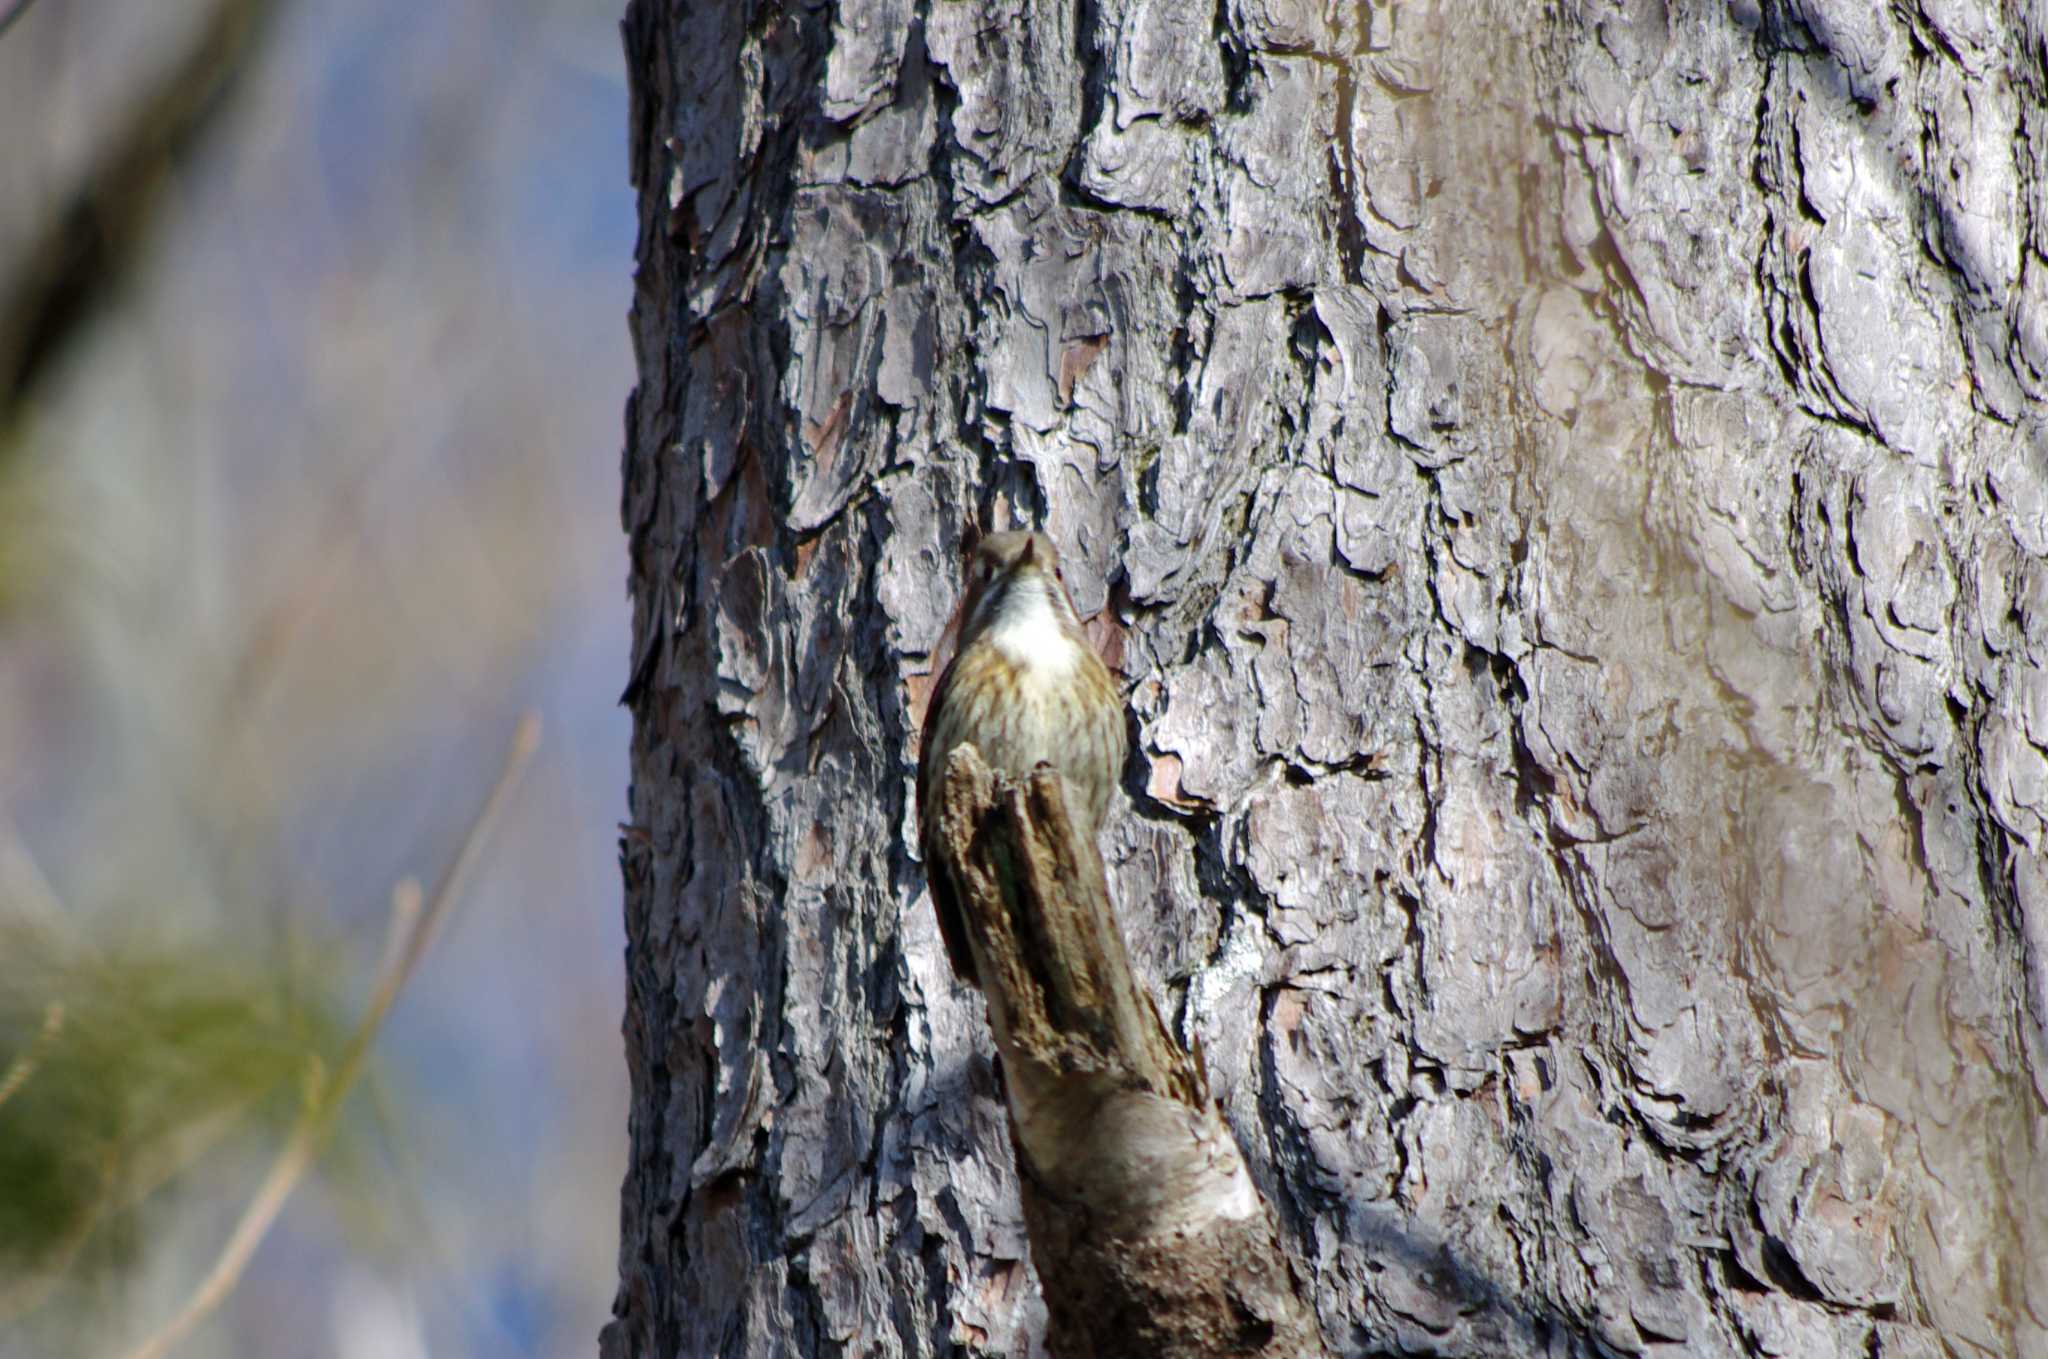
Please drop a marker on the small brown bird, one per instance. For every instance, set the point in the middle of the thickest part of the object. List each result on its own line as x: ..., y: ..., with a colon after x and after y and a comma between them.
x: 1024, y: 687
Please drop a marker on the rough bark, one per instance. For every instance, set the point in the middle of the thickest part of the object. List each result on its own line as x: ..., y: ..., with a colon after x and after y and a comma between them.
x: 1568, y: 489
x: 1144, y: 1224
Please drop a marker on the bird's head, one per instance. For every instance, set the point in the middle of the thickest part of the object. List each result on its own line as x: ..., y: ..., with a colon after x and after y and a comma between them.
x: 1015, y: 588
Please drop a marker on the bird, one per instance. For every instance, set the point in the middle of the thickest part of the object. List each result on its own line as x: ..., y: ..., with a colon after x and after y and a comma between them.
x: 1026, y: 688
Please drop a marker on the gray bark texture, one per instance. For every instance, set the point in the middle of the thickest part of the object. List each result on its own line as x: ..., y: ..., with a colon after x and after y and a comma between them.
x: 1566, y: 487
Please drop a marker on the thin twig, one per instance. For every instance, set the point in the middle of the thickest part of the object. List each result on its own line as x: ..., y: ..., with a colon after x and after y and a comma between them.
x: 307, y: 1136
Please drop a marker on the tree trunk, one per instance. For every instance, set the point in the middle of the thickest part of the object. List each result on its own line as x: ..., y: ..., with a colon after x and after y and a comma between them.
x: 1567, y: 487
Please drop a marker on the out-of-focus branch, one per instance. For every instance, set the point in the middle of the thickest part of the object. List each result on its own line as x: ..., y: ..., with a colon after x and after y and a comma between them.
x: 94, y: 234
x: 9, y: 13
x: 21, y: 1295
x: 1145, y: 1226
x: 411, y: 929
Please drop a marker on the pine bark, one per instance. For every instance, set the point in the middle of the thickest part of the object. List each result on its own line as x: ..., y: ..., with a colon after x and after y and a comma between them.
x: 1567, y: 487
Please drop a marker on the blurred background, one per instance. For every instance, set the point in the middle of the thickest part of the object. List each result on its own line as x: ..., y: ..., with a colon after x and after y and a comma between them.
x: 312, y: 358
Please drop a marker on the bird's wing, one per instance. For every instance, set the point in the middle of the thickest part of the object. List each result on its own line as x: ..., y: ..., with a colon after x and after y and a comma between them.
x: 930, y: 786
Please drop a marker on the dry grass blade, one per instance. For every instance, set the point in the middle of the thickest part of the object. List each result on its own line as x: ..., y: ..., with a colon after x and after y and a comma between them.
x: 401, y: 956
x: 24, y: 1066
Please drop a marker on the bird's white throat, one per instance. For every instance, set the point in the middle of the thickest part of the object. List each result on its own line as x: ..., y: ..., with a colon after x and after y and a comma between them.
x: 1029, y: 635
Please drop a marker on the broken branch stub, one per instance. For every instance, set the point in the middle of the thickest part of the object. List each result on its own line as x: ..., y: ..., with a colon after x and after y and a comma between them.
x: 1144, y: 1225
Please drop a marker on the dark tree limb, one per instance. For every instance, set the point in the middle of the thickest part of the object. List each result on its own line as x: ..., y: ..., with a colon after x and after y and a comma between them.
x: 1144, y: 1224
x: 96, y: 232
